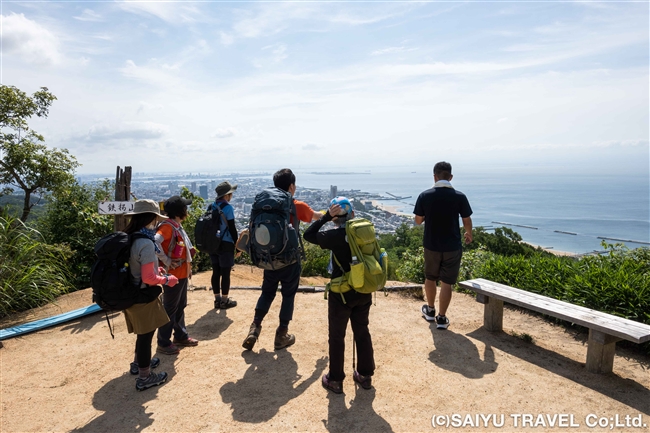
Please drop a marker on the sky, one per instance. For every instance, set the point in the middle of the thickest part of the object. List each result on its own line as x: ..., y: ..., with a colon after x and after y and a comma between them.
x: 223, y: 86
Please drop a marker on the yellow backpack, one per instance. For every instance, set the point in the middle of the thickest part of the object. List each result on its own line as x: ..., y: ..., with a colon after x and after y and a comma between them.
x: 369, y: 267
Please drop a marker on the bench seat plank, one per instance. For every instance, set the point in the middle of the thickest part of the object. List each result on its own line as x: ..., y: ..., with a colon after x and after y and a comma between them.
x: 617, y: 326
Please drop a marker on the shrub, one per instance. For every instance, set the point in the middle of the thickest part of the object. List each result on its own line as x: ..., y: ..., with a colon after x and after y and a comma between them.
x: 316, y: 261
x: 31, y: 272
x: 71, y: 219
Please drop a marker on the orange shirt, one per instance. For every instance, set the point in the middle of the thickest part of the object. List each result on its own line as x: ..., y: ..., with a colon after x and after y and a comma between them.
x: 303, y: 211
x: 165, y: 230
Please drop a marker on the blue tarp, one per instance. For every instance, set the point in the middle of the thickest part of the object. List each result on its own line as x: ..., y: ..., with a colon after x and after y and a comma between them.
x: 50, y: 321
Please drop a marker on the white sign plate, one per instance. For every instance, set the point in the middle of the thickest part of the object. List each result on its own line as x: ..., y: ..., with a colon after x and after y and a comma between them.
x: 115, y: 207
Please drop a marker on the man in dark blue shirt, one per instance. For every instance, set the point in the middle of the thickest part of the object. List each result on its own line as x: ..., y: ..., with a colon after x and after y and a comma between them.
x: 439, y: 208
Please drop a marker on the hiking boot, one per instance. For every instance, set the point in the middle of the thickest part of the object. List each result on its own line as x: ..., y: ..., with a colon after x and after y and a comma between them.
x: 155, y: 362
x: 283, y: 339
x: 154, y: 379
x: 364, y: 381
x: 442, y: 322
x: 228, y: 303
x: 169, y: 350
x: 253, y: 334
x: 217, y: 304
x: 332, y: 385
x: 428, y: 313
x: 187, y: 342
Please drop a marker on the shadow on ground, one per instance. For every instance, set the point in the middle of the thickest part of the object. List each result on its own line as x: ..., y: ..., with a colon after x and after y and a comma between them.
x: 360, y: 417
x: 627, y: 391
x: 117, y: 416
x: 271, y: 381
x: 211, y: 325
x: 467, y: 361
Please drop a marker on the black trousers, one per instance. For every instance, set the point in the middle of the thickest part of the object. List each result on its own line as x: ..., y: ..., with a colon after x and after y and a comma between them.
x: 355, y: 310
x: 143, y: 349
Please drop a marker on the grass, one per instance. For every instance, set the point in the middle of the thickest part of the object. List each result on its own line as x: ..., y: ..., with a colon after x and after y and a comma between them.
x: 31, y: 272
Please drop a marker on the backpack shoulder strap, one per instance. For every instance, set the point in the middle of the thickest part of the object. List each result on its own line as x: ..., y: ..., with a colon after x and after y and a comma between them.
x: 172, y: 241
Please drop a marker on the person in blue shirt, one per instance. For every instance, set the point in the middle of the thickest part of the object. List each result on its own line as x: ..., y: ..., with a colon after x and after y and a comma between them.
x: 224, y: 259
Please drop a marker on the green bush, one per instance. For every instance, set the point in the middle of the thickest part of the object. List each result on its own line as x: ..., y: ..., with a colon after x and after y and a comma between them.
x: 411, y: 267
x: 71, y: 218
x: 316, y: 261
x: 617, y: 283
x: 32, y: 273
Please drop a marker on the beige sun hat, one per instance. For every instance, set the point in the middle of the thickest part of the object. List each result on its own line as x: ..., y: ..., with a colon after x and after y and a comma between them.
x: 146, y: 206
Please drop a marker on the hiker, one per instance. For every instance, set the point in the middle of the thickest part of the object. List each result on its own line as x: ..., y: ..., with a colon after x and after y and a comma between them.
x: 224, y: 259
x: 439, y: 208
x: 352, y: 306
x: 289, y: 276
x: 176, y: 255
x: 143, y: 318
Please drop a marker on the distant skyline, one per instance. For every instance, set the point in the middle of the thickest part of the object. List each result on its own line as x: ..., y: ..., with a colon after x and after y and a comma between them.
x: 254, y: 86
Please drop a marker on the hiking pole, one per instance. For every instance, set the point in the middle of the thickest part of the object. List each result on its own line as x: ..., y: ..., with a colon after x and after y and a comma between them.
x: 354, y: 347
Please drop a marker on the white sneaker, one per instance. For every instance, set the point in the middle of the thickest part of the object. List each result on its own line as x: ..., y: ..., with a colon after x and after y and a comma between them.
x: 428, y: 313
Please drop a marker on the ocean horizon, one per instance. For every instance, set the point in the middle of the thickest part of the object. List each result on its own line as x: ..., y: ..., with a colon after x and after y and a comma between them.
x: 561, y: 211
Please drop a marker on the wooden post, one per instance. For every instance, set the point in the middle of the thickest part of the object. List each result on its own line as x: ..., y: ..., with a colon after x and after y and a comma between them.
x: 600, y: 352
x: 493, y: 314
x: 122, y: 193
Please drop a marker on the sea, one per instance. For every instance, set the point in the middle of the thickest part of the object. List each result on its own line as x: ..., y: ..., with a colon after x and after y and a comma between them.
x: 554, y: 209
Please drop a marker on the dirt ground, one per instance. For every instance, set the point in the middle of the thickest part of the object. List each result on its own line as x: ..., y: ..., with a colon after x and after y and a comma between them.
x: 74, y: 377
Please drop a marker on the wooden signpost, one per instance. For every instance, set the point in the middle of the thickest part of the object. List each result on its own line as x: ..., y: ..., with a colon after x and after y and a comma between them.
x: 122, y: 194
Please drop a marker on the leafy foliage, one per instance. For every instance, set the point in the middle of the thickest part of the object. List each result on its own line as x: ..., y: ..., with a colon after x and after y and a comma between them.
x: 504, y: 241
x: 316, y: 261
x: 25, y: 162
x: 31, y: 272
x: 71, y: 219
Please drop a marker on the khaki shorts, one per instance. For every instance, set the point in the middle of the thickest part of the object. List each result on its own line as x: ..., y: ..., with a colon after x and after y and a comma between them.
x: 144, y: 318
x: 443, y: 266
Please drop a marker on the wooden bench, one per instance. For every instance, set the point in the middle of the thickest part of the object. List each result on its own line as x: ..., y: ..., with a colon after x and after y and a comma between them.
x: 604, y: 329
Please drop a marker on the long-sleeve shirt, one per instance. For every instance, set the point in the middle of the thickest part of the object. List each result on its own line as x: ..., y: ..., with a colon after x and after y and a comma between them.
x: 334, y: 240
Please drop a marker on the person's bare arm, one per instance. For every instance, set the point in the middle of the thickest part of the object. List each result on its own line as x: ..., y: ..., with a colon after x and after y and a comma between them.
x: 467, y: 225
x: 419, y: 219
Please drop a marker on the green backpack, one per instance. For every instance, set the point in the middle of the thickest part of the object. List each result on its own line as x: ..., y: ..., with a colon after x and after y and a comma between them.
x: 369, y: 271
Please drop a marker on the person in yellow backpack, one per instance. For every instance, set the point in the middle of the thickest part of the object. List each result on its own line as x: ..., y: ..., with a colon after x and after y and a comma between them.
x: 353, y: 307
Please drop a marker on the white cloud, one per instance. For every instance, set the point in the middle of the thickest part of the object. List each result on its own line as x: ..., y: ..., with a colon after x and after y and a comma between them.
x: 311, y: 147
x: 126, y: 131
x: 89, y: 15
x: 224, y: 133
x: 172, y: 13
x: 503, y: 119
x: 30, y: 40
x: 391, y: 50
x: 226, y: 38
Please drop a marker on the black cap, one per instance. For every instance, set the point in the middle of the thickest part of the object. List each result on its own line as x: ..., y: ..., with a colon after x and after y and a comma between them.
x: 176, y: 202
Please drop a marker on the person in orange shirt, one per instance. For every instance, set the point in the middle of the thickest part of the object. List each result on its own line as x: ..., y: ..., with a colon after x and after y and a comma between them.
x: 176, y: 255
x: 289, y: 276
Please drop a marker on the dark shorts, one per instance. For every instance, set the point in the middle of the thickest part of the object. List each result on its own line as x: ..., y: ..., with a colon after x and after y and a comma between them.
x: 443, y: 266
x: 223, y: 259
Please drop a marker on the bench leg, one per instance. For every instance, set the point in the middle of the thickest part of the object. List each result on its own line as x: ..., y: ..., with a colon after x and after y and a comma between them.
x: 493, y: 314
x: 600, y: 352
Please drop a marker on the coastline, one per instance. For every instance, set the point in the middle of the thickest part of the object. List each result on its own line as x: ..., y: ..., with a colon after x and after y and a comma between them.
x: 552, y: 251
x: 388, y: 208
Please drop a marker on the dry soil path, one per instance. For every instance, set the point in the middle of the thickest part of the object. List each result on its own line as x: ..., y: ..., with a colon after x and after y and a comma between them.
x: 74, y: 377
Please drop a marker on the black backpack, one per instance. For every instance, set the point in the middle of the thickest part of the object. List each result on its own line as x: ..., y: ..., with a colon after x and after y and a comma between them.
x: 207, y: 232
x: 113, y: 286
x: 273, y: 242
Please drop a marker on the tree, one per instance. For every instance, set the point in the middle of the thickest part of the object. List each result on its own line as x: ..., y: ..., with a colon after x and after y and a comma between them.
x: 25, y: 161
x: 71, y: 218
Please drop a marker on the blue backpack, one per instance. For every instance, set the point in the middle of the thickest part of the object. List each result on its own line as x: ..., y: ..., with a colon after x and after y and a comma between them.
x: 273, y: 242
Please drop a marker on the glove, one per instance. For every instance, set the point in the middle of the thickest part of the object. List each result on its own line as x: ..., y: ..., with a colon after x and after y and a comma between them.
x: 172, y: 281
